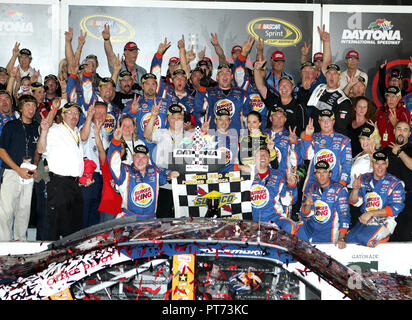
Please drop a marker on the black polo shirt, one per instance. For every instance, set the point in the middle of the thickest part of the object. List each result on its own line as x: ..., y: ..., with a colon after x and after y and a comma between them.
x: 15, y: 136
x: 398, y: 168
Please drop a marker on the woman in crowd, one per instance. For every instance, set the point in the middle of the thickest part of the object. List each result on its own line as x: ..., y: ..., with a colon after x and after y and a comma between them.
x: 363, y: 112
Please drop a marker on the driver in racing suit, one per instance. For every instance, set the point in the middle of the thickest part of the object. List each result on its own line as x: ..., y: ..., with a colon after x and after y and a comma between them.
x: 381, y: 197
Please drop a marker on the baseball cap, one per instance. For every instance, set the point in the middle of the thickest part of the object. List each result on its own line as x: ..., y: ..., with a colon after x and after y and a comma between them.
x: 367, y: 131
x: 131, y: 46
x: 307, y: 64
x: 287, y: 78
x: 197, y: 69
x: 148, y: 76
x: 178, y: 71
x: 393, y: 90
x: 106, y: 80
x: 174, y: 60
x: 2, y: 69
x: 333, y: 67
x: 35, y: 86
x: 327, y: 113
x: 236, y: 48
x: 278, y: 56
x: 318, y: 56
x: 322, y: 165
x: 379, y: 155
x: 352, y: 54
x: 94, y: 57
x: 175, y: 108
x: 50, y: 76
x: 69, y: 105
x: 189, y: 118
x: 140, y: 148
x: 222, y: 112
x: 25, y: 51
x: 395, y: 73
x: 124, y: 73
x: 278, y: 109
x: 202, y: 63
x: 222, y: 66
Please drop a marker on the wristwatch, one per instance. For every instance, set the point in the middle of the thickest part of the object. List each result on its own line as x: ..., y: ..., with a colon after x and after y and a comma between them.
x: 399, y: 152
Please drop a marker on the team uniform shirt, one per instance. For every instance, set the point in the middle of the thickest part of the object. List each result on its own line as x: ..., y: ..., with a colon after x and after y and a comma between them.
x: 272, y: 81
x: 386, y: 193
x: 385, y: 127
x: 90, y: 150
x: 137, y: 72
x: 139, y: 193
x: 334, y: 100
x: 328, y: 216
x: 64, y: 150
x: 334, y: 149
x: 288, y: 154
x: 270, y: 197
x: 344, y: 78
x: 236, y: 100
x: 296, y: 115
x: 244, y: 80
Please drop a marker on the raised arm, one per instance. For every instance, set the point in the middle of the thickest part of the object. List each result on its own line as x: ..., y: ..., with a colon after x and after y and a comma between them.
x: 108, y: 49
x: 259, y: 76
x: 15, y: 54
x: 327, y: 51
x: 218, y: 48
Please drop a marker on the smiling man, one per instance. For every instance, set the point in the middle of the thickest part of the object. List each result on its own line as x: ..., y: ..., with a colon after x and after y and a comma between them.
x: 17, y: 149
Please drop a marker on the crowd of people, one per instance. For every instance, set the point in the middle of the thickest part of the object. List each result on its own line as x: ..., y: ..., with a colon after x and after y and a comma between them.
x: 78, y: 149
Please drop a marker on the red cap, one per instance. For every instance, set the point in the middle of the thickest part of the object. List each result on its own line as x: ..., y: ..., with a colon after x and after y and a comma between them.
x: 130, y: 46
x: 174, y: 60
x: 236, y: 48
x: 278, y: 55
x: 352, y: 54
x: 318, y: 56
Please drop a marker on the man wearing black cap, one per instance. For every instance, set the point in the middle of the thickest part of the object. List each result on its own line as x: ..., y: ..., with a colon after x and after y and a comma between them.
x: 283, y: 98
x: 400, y: 165
x: 390, y: 114
x: 51, y: 86
x: 138, y: 183
x: 325, y: 211
x: 327, y: 145
x: 25, y: 58
x: 331, y: 97
x: 17, y: 151
x: 381, y: 197
x: 63, y: 149
x: 130, y: 53
x: 165, y: 140
x: 125, y: 95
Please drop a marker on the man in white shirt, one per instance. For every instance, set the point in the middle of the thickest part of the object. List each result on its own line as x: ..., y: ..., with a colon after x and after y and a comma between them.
x: 352, y: 72
x: 25, y: 58
x: 63, y: 149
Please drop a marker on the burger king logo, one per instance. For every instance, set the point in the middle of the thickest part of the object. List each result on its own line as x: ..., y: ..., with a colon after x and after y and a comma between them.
x: 322, y: 211
x: 146, y: 119
x: 142, y: 195
x: 326, y: 155
x: 373, y: 201
x: 225, y: 104
x: 109, y: 123
x: 259, y: 196
x: 256, y: 102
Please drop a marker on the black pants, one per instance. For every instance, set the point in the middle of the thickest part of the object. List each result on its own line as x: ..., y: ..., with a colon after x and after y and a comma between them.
x: 403, y: 230
x: 65, y: 206
x: 92, y: 196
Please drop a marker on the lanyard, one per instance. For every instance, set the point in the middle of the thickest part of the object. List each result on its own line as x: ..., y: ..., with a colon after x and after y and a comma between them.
x: 27, y: 139
x: 76, y: 139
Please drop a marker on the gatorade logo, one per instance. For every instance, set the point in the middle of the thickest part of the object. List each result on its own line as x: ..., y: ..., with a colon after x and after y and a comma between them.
x: 256, y: 102
x: 259, y: 196
x: 322, y: 211
x: 373, y: 201
x: 225, y: 104
x: 326, y: 155
x: 142, y: 195
x: 146, y: 119
x: 109, y: 123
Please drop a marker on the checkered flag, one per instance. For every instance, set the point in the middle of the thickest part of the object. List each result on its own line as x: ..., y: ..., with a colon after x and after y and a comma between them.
x: 197, y: 146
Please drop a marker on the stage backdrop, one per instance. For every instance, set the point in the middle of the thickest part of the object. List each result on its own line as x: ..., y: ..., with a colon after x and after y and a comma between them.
x: 378, y: 33
x: 284, y: 27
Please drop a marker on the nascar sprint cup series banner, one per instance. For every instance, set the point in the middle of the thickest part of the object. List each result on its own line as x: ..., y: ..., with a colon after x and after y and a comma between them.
x: 32, y: 24
x: 283, y: 27
x: 377, y: 34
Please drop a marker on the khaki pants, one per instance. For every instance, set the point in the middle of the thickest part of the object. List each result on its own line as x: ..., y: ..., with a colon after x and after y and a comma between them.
x: 15, y: 202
